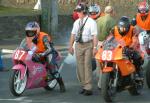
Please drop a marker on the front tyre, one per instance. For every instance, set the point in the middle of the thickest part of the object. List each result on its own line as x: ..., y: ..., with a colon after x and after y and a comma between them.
x: 16, y: 85
x: 107, y: 89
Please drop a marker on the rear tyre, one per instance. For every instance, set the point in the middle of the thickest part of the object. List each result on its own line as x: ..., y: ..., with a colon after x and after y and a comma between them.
x: 52, y: 83
x: 134, y: 91
x: 136, y: 87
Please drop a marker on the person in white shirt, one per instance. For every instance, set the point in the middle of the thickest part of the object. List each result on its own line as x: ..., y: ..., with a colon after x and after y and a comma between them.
x: 84, y: 33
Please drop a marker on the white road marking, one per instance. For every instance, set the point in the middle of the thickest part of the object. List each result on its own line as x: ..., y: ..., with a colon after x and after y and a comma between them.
x: 16, y: 99
x: 7, y: 51
x: 20, y: 100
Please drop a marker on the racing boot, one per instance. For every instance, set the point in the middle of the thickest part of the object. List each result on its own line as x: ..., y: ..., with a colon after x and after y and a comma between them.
x: 140, y: 73
x: 138, y: 62
x: 61, y: 84
x: 59, y: 79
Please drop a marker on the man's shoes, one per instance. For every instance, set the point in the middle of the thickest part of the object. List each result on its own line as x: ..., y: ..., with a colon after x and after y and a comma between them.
x: 88, y: 92
x: 81, y: 91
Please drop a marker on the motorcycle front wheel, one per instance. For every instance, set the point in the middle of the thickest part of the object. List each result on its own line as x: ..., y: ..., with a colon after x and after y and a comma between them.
x: 106, y: 88
x: 16, y: 85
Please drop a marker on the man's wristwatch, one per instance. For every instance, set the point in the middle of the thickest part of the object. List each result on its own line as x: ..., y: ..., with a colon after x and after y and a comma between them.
x: 95, y: 47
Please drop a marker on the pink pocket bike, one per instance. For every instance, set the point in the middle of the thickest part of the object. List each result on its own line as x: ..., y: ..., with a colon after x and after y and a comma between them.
x: 28, y: 74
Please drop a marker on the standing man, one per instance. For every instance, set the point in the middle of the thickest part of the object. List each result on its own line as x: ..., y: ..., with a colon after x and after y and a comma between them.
x: 84, y: 33
x: 104, y: 25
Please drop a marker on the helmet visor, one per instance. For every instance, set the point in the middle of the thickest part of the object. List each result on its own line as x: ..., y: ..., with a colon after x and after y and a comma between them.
x: 121, y: 26
x: 30, y: 33
x: 122, y: 29
x: 92, y: 13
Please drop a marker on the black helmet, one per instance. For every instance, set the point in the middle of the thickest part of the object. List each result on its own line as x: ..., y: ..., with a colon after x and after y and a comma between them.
x: 123, y: 25
x: 32, y: 28
x: 82, y: 7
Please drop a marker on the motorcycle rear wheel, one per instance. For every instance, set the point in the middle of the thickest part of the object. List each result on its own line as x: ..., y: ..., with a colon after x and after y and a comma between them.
x: 52, y: 84
x: 16, y: 85
x: 134, y: 91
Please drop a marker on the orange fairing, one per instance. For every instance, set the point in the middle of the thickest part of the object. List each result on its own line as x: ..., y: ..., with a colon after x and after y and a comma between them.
x: 99, y: 54
x: 115, y: 55
x: 118, y: 53
x: 107, y: 69
x: 126, y: 67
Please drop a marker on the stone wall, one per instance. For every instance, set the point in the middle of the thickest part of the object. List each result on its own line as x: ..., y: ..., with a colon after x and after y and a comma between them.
x: 13, y: 26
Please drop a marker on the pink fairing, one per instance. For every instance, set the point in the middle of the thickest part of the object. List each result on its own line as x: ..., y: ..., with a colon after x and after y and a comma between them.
x: 21, y: 68
x: 37, y: 72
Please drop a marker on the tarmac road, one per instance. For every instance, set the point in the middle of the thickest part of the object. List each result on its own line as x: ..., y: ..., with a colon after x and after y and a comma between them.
x: 70, y: 96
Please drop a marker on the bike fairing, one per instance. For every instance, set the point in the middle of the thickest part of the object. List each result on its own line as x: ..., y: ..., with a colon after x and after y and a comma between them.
x: 45, y: 50
x: 111, y: 54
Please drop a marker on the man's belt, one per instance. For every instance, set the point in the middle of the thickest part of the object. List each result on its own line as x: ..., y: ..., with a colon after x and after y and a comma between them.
x: 85, y: 42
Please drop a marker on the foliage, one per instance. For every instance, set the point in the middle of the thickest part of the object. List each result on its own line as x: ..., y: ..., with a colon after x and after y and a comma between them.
x: 122, y: 7
x: 9, y: 11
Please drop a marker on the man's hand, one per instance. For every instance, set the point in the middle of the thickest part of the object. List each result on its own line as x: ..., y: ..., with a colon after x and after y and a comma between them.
x: 94, y: 51
x: 71, y: 50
